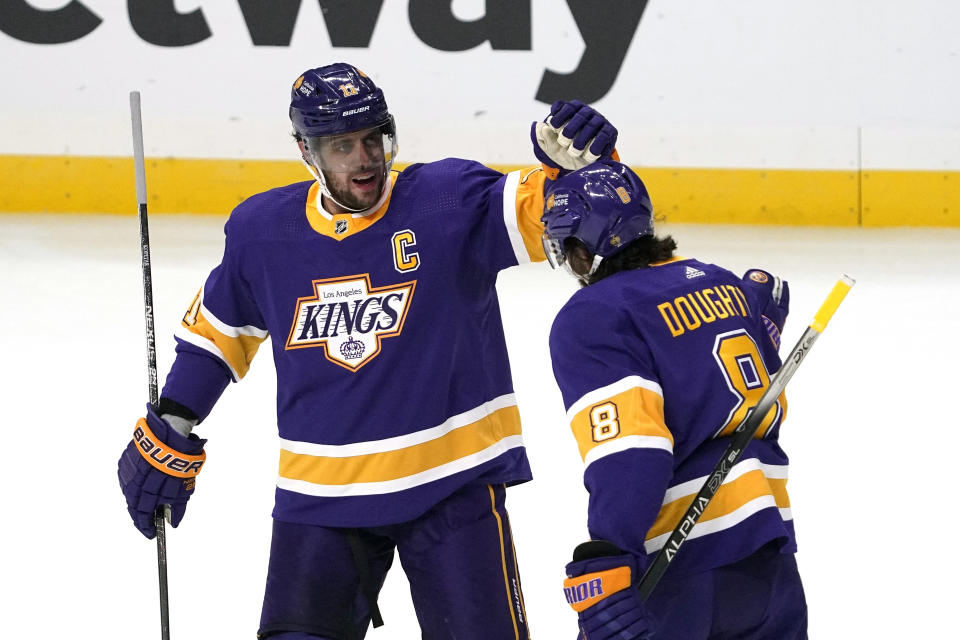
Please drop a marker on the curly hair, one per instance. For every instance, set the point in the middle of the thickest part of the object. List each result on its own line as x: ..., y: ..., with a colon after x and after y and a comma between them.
x: 639, y: 254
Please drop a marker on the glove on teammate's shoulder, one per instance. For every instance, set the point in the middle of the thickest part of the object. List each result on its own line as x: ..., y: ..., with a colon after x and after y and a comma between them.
x: 573, y: 136
x: 773, y: 297
x: 158, y: 467
x: 601, y: 588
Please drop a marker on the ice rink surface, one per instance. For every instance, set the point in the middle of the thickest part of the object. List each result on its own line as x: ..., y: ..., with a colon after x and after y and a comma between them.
x: 871, y: 433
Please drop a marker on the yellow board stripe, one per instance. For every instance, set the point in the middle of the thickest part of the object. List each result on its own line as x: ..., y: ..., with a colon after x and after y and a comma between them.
x: 79, y: 184
x: 911, y: 198
x: 754, y: 196
x: 869, y: 198
x: 730, y: 497
x: 400, y: 463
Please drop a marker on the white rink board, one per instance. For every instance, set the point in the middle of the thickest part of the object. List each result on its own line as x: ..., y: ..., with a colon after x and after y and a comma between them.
x: 823, y: 84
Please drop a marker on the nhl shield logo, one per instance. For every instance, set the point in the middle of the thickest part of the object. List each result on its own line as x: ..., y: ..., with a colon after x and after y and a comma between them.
x: 349, y: 318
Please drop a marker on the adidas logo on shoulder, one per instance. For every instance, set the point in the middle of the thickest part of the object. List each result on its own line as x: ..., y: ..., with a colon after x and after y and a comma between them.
x: 693, y: 272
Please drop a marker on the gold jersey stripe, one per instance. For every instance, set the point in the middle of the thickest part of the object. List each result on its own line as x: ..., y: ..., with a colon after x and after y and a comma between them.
x: 237, y: 350
x: 730, y: 497
x: 400, y: 463
x: 327, y: 225
x: 529, y: 210
x: 668, y: 261
x: 635, y: 412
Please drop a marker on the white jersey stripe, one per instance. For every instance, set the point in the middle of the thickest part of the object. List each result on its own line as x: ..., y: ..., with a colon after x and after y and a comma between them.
x: 718, y: 524
x: 691, y: 487
x: 400, y: 442
x: 229, y: 330
x: 627, y: 442
x: 400, y: 484
x: 510, y: 186
x: 604, y: 393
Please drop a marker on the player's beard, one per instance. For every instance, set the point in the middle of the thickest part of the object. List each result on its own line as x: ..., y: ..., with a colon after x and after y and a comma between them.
x: 358, y: 190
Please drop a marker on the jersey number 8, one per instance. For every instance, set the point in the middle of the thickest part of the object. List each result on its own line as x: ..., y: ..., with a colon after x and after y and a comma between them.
x: 747, y: 379
x: 603, y: 419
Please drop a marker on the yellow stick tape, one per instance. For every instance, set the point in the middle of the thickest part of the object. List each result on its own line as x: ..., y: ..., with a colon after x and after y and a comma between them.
x: 829, y: 306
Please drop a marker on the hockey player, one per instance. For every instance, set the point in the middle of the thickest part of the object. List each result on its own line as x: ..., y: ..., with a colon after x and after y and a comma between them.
x: 659, y: 358
x: 395, y: 407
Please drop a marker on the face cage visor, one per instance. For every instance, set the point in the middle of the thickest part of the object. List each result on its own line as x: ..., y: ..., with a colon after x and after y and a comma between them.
x: 354, y: 152
x: 553, y: 250
x: 364, y: 157
x: 557, y: 258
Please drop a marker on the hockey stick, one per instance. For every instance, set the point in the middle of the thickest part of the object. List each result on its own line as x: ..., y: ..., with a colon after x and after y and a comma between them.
x: 154, y: 394
x: 742, y: 437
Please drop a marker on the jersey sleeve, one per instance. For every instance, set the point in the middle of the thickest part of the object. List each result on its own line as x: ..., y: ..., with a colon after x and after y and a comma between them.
x: 614, y: 405
x: 507, y: 229
x: 522, y: 207
x: 218, y: 337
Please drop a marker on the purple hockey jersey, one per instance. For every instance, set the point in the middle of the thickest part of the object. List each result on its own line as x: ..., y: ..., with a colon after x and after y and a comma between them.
x: 393, y: 384
x: 657, y: 367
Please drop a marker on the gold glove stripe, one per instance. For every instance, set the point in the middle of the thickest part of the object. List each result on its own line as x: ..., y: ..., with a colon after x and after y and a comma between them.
x: 582, y: 592
x: 162, y: 457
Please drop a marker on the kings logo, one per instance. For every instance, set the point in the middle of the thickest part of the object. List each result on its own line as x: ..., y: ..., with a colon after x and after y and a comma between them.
x: 349, y: 318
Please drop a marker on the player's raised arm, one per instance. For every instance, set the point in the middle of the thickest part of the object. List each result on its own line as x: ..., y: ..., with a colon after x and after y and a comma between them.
x: 571, y: 136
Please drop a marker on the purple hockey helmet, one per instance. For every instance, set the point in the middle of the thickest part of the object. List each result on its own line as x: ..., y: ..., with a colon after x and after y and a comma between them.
x: 604, y: 205
x: 335, y: 99
x: 348, y: 135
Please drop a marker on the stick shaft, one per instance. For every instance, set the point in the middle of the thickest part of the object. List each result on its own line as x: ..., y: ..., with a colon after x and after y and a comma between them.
x: 162, y: 573
x: 138, y: 156
x: 141, y: 179
x: 741, y: 438
x: 148, y: 315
